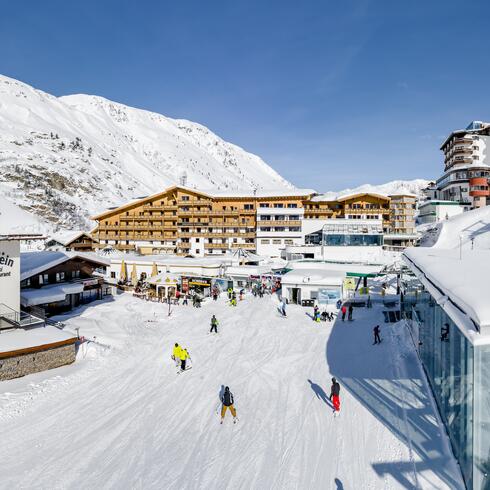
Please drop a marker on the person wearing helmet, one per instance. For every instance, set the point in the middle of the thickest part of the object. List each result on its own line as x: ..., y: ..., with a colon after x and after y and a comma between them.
x: 335, y: 396
x: 227, y: 403
x: 176, y: 354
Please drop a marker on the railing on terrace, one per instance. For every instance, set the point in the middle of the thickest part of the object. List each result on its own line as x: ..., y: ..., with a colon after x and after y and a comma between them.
x: 9, y: 318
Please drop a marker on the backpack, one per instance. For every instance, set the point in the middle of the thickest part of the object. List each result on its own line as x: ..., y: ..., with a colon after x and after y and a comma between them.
x: 227, y: 398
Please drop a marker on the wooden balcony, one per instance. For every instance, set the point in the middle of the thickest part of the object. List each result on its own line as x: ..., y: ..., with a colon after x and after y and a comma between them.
x: 277, y: 222
x: 245, y: 246
x: 216, y: 245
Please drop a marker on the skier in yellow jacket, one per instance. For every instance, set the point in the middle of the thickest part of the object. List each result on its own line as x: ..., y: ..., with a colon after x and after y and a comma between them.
x: 184, y: 355
x: 176, y: 354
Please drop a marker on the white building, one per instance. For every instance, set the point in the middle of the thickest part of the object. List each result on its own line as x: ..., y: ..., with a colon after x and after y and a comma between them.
x: 278, y: 227
x: 433, y: 211
x: 466, y: 166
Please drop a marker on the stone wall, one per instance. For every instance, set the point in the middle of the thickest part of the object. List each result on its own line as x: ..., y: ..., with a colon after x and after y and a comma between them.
x: 21, y: 365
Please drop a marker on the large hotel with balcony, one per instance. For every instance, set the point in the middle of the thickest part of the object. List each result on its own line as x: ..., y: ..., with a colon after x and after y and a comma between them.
x: 466, y: 166
x: 186, y: 221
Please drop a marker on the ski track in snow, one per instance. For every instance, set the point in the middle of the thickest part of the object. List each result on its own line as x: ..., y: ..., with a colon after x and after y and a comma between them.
x: 120, y: 417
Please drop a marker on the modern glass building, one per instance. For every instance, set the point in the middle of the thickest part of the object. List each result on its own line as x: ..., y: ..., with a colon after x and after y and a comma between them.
x: 445, y: 298
x: 348, y: 233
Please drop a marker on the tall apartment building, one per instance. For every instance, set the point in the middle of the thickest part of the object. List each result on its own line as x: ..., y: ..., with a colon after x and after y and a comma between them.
x: 186, y: 221
x: 466, y: 166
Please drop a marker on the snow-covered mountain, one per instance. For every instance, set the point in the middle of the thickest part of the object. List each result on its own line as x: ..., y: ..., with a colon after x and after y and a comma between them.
x: 415, y: 186
x: 65, y: 158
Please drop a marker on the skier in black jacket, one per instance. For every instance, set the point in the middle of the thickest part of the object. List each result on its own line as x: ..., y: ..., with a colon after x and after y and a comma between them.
x: 227, y: 401
x: 335, y: 395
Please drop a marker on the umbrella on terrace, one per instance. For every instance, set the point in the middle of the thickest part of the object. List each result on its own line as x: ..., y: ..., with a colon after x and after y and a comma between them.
x: 123, y: 274
x: 154, y: 270
x: 134, y: 276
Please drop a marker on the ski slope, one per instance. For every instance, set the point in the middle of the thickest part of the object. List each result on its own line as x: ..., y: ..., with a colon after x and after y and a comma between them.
x: 121, y: 417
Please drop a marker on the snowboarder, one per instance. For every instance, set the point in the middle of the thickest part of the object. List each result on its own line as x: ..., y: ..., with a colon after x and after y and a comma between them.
x: 335, y: 395
x: 344, y: 311
x: 183, y: 356
x: 230, y: 292
x: 351, y: 309
x: 377, y: 338
x: 227, y: 403
x: 214, y: 324
x: 176, y: 354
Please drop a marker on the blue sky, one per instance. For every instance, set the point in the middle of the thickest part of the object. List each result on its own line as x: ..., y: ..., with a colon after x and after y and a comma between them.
x: 331, y: 94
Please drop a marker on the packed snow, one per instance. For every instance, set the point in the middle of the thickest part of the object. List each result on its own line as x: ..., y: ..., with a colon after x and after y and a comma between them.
x: 468, y: 230
x: 121, y: 416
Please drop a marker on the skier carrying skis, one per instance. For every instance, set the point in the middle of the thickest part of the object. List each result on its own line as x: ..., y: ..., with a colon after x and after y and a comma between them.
x: 183, y: 356
x: 335, y: 396
x: 214, y: 324
x: 176, y: 353
x: 377, y: 338
x: 344, y: 311
x: 227, y: 403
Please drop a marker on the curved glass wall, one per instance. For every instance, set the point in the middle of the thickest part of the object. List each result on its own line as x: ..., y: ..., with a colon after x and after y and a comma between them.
x: 459, y: 376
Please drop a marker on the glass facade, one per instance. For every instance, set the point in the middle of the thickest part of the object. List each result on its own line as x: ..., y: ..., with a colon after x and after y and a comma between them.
x: 344, y: 240
x: 459, y: 375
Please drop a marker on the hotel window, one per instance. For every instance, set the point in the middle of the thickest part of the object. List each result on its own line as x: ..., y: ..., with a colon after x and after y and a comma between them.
x: 25, y: 283
x: 278, y: 205
x: 288, y: 242
x: 279, y: 228
x: 276, y: 242
x: 113, y: 274
x: 264, y: 205
x: 248, y: 206
x: 43, y: 279
x: 185, y: 198
x: 60, y: 276
x: 292, y: 205
x: 265, y: 242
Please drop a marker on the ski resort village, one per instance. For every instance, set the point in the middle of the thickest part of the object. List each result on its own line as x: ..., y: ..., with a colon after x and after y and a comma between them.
x: 177, y: 314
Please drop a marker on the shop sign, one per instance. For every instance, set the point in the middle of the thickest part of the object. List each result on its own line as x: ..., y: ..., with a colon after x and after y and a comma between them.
x: 349, y: 283
x: 200, y: 283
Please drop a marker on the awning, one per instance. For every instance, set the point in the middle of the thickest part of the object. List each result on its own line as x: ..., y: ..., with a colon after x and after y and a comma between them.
x: 362, y: 274
x: 49, y: 294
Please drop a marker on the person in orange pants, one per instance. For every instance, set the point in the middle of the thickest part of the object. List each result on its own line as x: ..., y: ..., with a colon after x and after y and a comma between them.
x: 227, y: 403
x: 335, y: 396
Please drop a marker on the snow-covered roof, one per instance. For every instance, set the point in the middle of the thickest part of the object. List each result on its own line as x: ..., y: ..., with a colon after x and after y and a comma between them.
x: 471, y: 228
x: 171, y: 260
x: 248, y: 270
x: 313, y: 277
x: 19, y: 339
x: 65, y: 238
x: 49, y: 294
x: 32, y: 263
x: 213, y: 193
x: 462, y: 282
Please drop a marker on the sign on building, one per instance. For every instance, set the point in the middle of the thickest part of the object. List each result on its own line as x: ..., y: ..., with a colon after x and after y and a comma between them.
x: 10, y: 273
